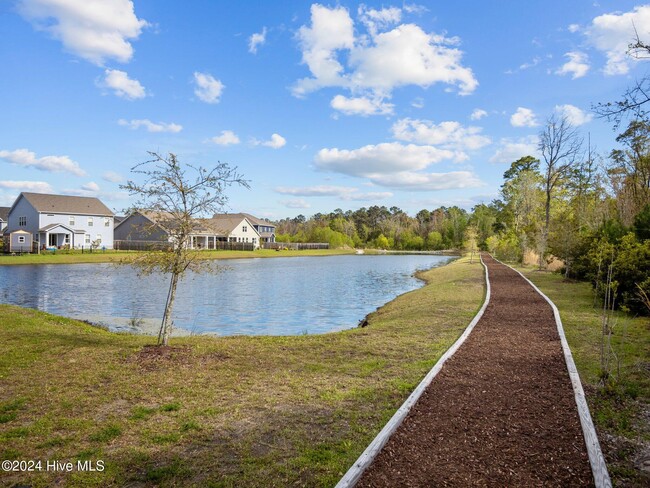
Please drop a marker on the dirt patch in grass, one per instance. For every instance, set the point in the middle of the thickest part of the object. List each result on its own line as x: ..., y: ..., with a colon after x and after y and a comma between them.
x: 152, y: 357
x: 500, y: 413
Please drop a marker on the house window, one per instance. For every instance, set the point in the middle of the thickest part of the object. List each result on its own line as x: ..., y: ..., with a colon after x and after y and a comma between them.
x: 66, y: 240
x: 99, y: 238
x: 21, y: 239
x: 87, y: 239
x: 244, y: 229
x: 107, y: 221
x: 71, y: 220
x: 90, y: 221
x: 22, y: 221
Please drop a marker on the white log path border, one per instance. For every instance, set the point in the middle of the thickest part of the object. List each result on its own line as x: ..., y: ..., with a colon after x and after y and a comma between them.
x: 354, y: 473
x: 596, y: 458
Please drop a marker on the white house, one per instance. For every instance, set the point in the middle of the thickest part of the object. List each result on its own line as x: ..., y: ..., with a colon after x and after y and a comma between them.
x: 62, y: 220
x: 234, y: 228
x: 264, y: 228
x: 4, y: 216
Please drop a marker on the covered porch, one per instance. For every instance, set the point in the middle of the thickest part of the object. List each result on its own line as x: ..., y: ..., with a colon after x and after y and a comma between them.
x: 60, y: 235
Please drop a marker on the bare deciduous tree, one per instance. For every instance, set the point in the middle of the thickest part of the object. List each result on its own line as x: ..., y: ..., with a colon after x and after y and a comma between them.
x: 560, y: 145
x: 179, y: 195
x: 634, y: 103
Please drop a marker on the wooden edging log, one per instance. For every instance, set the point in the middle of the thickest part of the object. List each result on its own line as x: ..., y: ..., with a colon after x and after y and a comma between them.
x: 596, y: 458
x: 361, y: 464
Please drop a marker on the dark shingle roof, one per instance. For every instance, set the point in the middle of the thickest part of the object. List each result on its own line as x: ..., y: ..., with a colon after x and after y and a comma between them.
x: 4, y: 213
x: 43, y: 202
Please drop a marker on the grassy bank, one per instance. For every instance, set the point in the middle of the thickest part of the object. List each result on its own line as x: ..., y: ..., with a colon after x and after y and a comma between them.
x: 72, y: 257
x: 238, y: 411
x: 621, y: 412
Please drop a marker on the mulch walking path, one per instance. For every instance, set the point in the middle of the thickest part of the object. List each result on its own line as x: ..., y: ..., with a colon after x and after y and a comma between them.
x: 501, y: 412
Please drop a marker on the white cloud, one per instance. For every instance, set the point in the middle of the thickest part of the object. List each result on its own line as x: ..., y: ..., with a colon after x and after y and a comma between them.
x: 255, y: 40
x: 95, y: 30
x: 91, y: 186
x: 316, y: 191
x: 376, y: 20
x: 208, y: 88
x: 122, y: 85
x: 29, y: 186
x: 151, y: 126
x: 573, y: 28
x: 345, y: 193
x: 523, y: 117
x: 369, y: 196
x: 52, y: 164
x: 612, y: 33
x: 380, y: 61
x: 478, y: 114
x: 418, y: 102
x: 573, y: 114
x: 276, y: 142
x: 411, y: 181
x: 92, y: 189
x: 409, y: 56
x: 512, y: 149
x: 577, y: 65
x: 386, y: 158
x: 535, y: 61
x: 112, y: 177
x: 331, y: 30
x: 449, y: 135
x: 297, y: 203
x: 226, y: 138
x: 414, y: 8
x: 361, y: 106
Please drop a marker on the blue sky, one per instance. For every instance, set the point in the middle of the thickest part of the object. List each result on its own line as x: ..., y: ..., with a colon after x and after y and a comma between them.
x: 320, y: 106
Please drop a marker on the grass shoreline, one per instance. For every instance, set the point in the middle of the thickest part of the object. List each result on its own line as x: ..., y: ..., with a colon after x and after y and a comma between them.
x: 111, y: 256
x: 226, y: 411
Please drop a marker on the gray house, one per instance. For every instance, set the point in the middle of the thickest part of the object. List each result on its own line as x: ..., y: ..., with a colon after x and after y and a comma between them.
x: 142, y: 227
x: 146, y: 229
x: 62, y: 220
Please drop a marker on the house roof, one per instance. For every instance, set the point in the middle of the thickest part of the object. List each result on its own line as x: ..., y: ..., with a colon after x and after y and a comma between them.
x: 238, y: 217
x: 166, y: 222
x: 224, y: 224
x: 255, y: 221
x: 4, y: 213
x: 44, y: 203
x: 49, y: 227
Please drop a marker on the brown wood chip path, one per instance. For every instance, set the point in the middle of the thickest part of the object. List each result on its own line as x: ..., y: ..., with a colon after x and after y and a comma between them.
x: 501, y: 412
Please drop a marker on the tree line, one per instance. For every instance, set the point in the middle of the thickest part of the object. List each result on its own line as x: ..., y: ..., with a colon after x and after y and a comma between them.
x: 587, y: 211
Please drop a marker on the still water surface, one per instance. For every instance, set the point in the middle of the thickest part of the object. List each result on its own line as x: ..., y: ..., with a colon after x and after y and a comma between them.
x: 278, y: 296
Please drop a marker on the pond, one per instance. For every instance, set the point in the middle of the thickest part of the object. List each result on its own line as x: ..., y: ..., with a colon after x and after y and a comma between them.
x: 273, y: 296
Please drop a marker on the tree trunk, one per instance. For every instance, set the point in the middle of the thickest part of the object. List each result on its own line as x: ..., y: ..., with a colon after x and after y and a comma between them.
x: 166, y: 326
x: 547, y: 221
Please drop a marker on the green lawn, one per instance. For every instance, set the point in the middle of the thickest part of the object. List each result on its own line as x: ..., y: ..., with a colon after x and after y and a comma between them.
x: 71, y: 257
x: 237, y: 411
x: 621, y: 411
